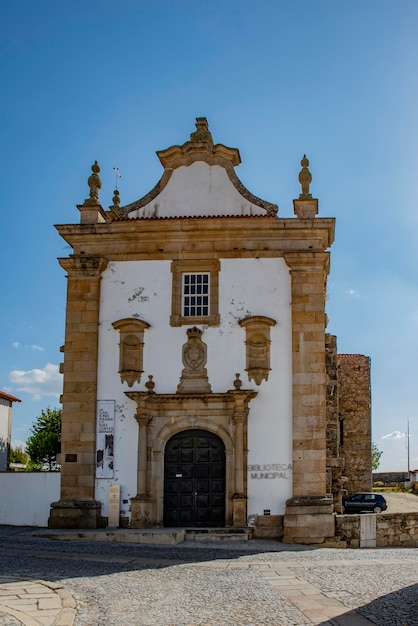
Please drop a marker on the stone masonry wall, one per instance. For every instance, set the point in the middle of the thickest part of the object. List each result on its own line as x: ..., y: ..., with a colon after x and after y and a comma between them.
x: 355, y: 420
x: 396, y: 529
x: 390, y: 477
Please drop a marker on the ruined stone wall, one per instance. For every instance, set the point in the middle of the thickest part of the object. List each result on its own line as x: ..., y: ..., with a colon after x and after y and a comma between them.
x: 355, y: 420
x: 334, y: 462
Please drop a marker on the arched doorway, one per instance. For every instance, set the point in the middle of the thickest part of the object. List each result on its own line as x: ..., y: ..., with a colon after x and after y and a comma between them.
x: 194, y: 480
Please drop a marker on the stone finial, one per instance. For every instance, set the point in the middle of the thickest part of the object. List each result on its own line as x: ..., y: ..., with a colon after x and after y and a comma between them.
x: 115, y: 208
x: 95, y: 184
x: 202, y: 132
x: 237, y: 382
x: 91, y: 210
x: 116, y: 199
x: 305, y: 179
x: 305, y: 207
x: 150, y: 384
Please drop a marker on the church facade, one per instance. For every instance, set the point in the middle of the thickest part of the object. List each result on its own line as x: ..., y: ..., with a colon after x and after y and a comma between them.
x: 198, y: 375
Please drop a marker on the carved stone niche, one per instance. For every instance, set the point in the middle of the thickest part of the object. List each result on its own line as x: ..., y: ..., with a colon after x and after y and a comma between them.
x: 257, y: 344
x: 131, y: 348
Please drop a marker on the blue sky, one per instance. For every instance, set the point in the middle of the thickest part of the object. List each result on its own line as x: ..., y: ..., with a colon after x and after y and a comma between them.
x: 117, y: 81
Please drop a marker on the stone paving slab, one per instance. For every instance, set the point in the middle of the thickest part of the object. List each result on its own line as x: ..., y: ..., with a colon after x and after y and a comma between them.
x: 41, y: 603
x: 259, y: 585
x: 35, y: 603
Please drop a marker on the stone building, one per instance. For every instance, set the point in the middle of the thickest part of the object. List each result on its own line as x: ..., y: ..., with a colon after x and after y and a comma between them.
x: 354, y: 420
x: 195, y: 372
x: 348, y: 422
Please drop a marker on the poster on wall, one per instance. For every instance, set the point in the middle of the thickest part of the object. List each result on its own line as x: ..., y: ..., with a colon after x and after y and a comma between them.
x: 105, y: 438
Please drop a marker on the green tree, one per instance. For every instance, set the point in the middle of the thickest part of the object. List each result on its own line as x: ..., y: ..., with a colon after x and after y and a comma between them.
x: 376, y: 454
x: 45, y: 442
x: 18, y: 455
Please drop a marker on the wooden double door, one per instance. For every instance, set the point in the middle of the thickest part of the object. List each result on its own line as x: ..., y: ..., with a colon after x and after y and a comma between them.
x: 194, y: 480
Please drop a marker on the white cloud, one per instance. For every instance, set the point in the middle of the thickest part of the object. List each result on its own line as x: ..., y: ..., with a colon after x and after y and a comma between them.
x: 395, y: 435
x: 38, y: 382
x: 17, y: 345
x: 353, y: 293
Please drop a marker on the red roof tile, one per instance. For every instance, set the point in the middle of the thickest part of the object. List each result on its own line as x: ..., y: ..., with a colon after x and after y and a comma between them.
x: 7, y: 396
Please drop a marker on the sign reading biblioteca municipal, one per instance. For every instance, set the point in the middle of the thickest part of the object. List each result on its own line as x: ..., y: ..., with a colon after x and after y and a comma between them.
x: 270, y: 470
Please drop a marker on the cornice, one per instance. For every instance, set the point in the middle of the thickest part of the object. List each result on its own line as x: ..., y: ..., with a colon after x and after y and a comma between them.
x: 308, y: 261
x: 195, y: 238
x: 153, y: 402
x: 84, y: 265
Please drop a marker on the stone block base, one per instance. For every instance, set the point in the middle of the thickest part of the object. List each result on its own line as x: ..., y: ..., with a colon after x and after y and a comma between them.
x: 76, y: 514
x: 268, y: 527
x: 309, y: 520
x: 239, y: 510
x: 143, y: 512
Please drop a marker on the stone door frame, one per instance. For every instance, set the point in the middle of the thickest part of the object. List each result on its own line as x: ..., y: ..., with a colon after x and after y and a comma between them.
x: 199, y: 496
x: 160, y: 417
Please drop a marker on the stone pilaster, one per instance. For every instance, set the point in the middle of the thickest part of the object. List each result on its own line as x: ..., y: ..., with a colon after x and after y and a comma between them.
x: 143, y: 421
x: 143, y: 509
x: 308, y: 512
x: 239, y: 420
x: 239, y: 510
x: 77, y: 507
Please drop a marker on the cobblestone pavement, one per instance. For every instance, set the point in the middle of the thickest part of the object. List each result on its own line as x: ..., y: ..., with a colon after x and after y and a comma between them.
x: 46, y: 582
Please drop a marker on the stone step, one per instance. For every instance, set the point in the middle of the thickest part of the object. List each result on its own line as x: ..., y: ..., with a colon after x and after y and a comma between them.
x: 217, y: 534
x: 151, y: 536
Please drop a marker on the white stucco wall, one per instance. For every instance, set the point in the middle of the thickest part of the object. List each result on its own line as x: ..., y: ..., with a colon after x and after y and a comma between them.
x: 198, y: 190
x: 28, y: 496
x: 246, y: 287
x: 5, y: 431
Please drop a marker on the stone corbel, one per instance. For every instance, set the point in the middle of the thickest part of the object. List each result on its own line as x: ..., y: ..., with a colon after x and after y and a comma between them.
x: 257, y: 344
x: 131, y: 348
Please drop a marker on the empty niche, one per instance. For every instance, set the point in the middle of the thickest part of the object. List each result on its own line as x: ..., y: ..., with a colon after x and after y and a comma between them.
x: 257, y: 343
x: 131, y: 348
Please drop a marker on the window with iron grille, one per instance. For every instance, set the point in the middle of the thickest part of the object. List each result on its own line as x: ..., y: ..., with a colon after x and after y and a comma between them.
x: 195, y: 295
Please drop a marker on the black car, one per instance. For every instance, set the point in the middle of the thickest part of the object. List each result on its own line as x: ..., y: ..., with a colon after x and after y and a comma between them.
x: 364, y: 502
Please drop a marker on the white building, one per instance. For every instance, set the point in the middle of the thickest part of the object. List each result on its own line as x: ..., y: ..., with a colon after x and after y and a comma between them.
x: 6, y: 409
x: 194, y: 367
